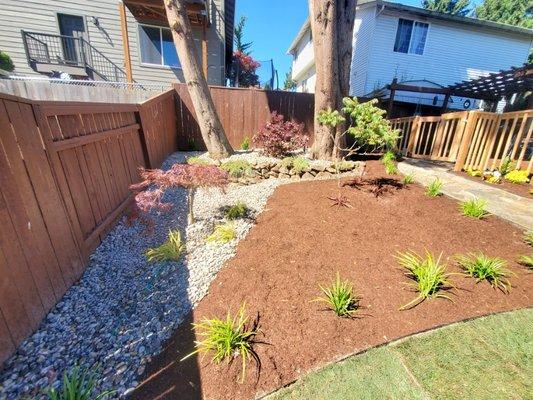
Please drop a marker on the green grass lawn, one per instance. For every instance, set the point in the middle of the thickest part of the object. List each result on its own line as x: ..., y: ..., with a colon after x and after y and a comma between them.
x: 487, y: 358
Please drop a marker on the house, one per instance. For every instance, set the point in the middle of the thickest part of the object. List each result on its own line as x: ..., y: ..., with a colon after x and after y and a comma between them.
x: 416, y: 47
x: 113, y: 40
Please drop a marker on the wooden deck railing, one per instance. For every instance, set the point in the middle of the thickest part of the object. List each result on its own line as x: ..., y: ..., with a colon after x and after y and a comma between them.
x: 470, y: 139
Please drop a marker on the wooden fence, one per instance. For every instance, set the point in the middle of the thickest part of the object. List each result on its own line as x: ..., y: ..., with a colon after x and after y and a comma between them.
x: 470, y: 139
x: 242, y: 112
x: 65, y: 174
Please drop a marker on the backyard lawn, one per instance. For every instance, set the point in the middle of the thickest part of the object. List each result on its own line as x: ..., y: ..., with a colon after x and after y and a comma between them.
x: 301, y: 241
x: 486, y: 358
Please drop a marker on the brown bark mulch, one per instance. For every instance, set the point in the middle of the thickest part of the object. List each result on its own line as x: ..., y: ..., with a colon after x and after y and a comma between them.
x: 515, y: 188
x: 300, y: 241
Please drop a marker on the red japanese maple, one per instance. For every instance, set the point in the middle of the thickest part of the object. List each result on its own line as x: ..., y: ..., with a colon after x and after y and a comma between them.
x: 279, y: 137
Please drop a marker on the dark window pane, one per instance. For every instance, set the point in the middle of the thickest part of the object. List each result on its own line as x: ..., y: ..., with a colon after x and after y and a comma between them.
x: 150, y: 43
x: 403, y: 35
x: 170, y: 57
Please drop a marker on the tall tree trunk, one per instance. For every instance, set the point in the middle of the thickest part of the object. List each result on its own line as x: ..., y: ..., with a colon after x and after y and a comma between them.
x: 210, y: 126
x: 332, y: 28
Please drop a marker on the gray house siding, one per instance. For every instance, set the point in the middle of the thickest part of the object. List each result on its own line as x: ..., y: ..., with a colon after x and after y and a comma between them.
x: 41, y: 16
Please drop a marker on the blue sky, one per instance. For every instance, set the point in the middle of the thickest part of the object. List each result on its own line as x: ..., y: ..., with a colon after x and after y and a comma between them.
x: 272, y: 25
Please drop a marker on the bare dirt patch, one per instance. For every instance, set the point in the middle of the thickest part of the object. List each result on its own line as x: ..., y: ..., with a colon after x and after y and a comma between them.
x: 300, y: 241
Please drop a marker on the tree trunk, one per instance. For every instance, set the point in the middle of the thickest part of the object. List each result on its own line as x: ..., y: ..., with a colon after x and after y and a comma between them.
x: 210, y: 126
x: 332, y: 28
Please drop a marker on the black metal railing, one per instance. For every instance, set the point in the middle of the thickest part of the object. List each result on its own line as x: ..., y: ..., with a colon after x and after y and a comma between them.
x: 70, y: 51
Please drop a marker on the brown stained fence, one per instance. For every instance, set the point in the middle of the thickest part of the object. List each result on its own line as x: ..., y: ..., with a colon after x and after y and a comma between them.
x: 470, y: 139
x: 65, y: 172
x: 243, y: 112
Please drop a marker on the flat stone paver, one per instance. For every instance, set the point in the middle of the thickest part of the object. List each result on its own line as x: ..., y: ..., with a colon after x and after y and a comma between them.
x: 514, y: 208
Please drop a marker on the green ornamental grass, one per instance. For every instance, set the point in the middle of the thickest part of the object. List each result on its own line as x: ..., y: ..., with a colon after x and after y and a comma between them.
x: 491, y: 269
x: 171, y: 250
x: 223, y: 233
x: 196, y: 160
x: 78, y: 384
x: 526, y: 260
x: 408, y: 179
x: 528, y: 237
x: 236, y: 211
x: 339, y: 296
x: 474, y: 208
x: 390, y: 168
x: 226, y: 339
x: 429, y: 276
x: 517, y: 176
x: 434, y: 188
x: 245, y: 145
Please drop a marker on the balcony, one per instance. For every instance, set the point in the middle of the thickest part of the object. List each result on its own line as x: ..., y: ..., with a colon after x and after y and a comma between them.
x: 74, y: 55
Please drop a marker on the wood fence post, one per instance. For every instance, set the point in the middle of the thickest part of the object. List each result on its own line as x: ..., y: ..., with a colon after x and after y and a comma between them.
x: 414, y: 132
x: 470, y: 121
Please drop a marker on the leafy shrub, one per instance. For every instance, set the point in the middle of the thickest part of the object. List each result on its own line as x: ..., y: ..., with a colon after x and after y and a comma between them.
x: 340, y: 298
x: 78, y: 384
x: 486, y: 268
x: 434, y: 188
x: 171, y: 250
x: 236, y: 211
x: 473, y: 172
x: 428, y: 274
x: 196, y: 160
x: 526, y: 260
x: 300, y: 164
x: 5, y: 62
x: 345, y: 165
x: 245, y: 145
x: 227, y: 339
x: 223, y: 233
x: 517, y: 176
x: 528, y: 237
x: 237, y: 168
x: 155, y: 182
x: 408, y: 179
x: 474, y: 208
x: 279, y: 137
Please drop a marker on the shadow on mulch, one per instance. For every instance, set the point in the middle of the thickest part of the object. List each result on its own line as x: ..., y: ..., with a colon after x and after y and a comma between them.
x: 299, y: 242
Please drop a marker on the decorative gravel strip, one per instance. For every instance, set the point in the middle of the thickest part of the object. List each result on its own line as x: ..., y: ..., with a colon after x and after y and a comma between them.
x: 124, y: 308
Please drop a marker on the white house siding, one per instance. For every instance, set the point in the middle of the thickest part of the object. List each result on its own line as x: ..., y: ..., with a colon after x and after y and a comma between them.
x: 363, y: 32
x: 303, y: 64
x: 453, y: 52
x: 40, y: 16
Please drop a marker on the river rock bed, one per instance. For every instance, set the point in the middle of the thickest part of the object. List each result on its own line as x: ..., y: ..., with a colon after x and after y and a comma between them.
x: 123, y: 308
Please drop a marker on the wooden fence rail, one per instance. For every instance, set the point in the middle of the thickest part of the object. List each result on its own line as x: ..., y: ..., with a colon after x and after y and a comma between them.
x: 473, y: 139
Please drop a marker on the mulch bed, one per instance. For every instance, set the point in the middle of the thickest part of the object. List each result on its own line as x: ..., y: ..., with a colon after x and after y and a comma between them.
x: 300, y: 241
x: 515, y: 188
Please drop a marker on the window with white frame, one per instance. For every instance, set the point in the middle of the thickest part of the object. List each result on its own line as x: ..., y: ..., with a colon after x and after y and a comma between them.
x: 157, y: 46
x: 411, y: 36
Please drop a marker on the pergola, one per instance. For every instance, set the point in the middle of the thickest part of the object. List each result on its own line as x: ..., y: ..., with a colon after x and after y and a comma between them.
x: 492, y: 87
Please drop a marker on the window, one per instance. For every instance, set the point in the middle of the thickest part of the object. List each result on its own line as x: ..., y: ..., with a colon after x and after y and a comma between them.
x: 157, y: 46
x: 411, y: 36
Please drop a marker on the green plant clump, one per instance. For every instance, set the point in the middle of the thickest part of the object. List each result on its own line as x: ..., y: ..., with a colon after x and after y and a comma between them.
x: 434, y: 188
x: 408, y: 179
x: 428, y: 274
x: 528, y: 237
x: 227, y: 339
x: 171, y: 250
x: 236, y: 211
x: 506, y: 166
x: 196, y: 160
x: 340, y: 298
x: 526, y: 260
x: 300, y: 164
x: 517, y: 176
x: 474, y: 208
x: 237, y: 168
x: 491, y: 269
x: 223, y: 233
x: 245, y: 145
x: 5, y: 62
x: 473, y: 172
x: 78, y: 384
x: 345, y: 165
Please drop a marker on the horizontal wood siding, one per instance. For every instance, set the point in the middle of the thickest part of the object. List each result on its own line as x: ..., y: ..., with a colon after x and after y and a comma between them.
x: 243, y: 112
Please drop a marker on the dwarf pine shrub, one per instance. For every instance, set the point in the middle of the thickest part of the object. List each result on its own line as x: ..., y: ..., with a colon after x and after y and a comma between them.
x: 237, y: 168
x: 236, y: 211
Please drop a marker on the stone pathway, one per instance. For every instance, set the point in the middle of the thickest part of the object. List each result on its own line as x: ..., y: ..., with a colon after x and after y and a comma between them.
x: 514, y: 208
